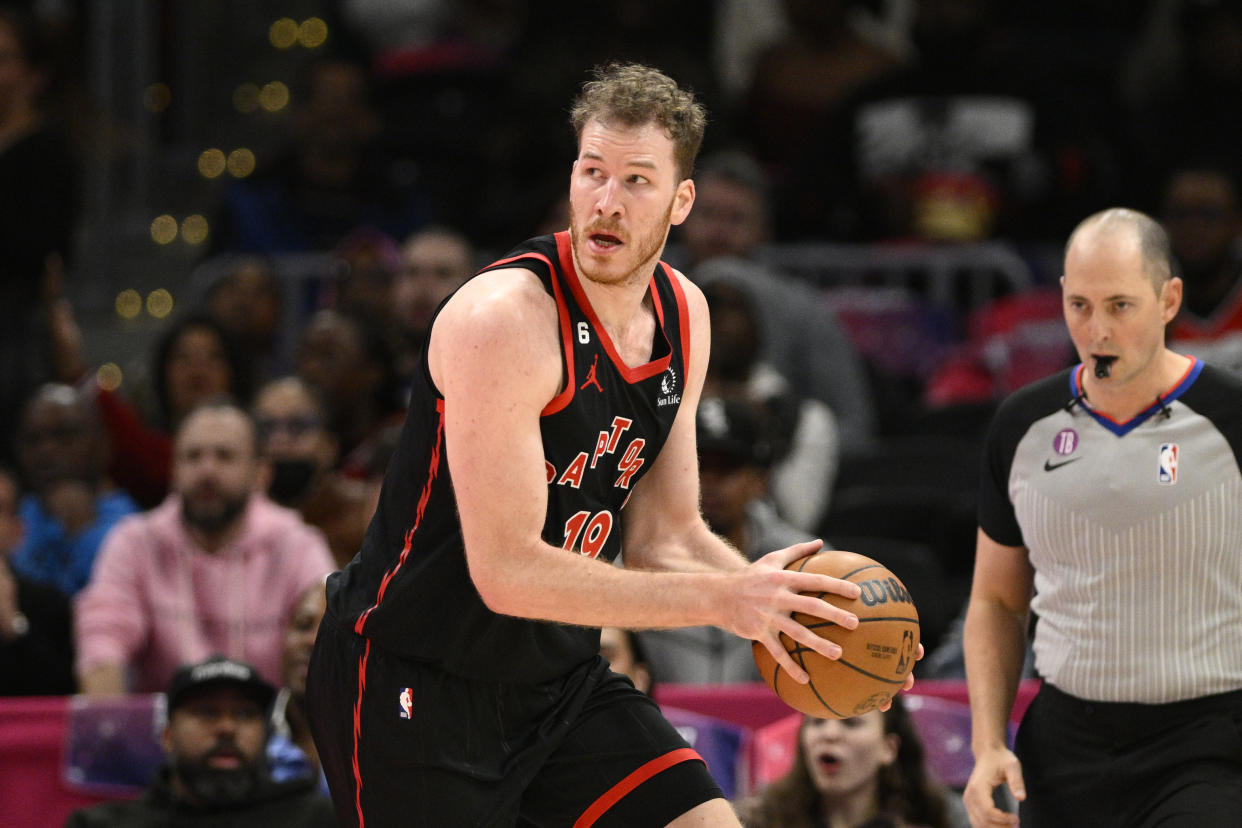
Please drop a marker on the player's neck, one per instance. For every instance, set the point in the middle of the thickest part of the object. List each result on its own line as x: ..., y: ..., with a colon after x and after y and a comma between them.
x: 631, y: 327
x: 1122, y: 400
x: 625, y: 310
x: 616, y: 301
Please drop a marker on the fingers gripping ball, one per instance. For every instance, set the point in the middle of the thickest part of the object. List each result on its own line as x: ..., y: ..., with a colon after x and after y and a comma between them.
x: 877, y: 656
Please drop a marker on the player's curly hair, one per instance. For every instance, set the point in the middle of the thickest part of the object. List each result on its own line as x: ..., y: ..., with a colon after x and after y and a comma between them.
x: 630, y: 94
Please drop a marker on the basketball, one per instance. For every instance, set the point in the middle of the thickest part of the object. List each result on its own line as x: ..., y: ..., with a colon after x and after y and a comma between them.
x: 877, y: 655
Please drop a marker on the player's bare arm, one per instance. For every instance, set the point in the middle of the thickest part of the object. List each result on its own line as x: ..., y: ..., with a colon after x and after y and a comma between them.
x: 495, y: 455
x: 663, y: 524
x: 494, y: 450
x: 664, y: 529
x: 995, y: 643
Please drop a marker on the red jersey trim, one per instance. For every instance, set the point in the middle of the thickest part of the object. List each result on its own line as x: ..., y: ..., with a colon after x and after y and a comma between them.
x: 567, y: 344
x: 618, y: 791
x: 683, y: 314
x: 434, y: 469
x: 630, y: 375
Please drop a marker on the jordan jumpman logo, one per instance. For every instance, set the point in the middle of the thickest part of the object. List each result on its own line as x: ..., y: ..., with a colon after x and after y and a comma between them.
x: 591, y: 379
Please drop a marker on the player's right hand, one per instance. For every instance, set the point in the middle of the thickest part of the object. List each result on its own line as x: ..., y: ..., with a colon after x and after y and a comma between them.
x: 766, y: 595
x: 995, y: 767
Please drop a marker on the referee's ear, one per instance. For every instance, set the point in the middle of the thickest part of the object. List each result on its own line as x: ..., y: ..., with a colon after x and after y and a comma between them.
x: 1171, y: 298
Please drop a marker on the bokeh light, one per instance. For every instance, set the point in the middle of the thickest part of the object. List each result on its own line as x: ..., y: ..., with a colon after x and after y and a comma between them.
x: 283, y: 33
x: 159, y: 303
x: 274, y: 96
x: 312, y: 33
x: 128, y: 303
x: 194, y: 229
x: 241, y: 162
x: 211, y: 163
x: 157, y: 97
x: 164, y: 229
x: 109, y: 376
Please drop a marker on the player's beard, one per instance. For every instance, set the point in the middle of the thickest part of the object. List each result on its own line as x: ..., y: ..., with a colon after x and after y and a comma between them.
x: 648, y: 246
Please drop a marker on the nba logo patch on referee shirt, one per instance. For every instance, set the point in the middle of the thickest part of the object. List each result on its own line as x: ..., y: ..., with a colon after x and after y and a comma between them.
x: 406, y: 699
x: 1168, y: 464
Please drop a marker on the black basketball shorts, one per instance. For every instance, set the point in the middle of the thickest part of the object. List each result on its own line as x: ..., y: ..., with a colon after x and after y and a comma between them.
x: 1175, y: 765
x: 405, y: 744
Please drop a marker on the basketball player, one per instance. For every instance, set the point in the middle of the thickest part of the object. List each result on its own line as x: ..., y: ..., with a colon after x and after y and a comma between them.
x: 551, y: 425
x: 1111, y: 494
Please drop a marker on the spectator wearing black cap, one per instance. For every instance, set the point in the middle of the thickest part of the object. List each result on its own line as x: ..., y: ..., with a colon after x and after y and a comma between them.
x: 735, y: 455
x: 215, y: 774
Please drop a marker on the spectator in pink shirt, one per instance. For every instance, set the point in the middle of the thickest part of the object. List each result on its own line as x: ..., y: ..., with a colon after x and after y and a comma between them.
x: 216, y: 568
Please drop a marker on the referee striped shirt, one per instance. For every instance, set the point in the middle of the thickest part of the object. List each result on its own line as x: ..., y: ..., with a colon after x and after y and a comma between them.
x: 1134, y: 530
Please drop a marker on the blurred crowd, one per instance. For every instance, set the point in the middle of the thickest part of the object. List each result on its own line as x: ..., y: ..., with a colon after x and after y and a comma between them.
x: 147, y: 527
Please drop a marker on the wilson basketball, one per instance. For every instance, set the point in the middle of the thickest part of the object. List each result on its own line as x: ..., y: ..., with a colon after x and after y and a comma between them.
x: 876, y: 656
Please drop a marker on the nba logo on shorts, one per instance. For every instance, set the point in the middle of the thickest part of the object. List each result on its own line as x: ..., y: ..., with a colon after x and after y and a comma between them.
x: 406, y: 700
x: 1168, y: 464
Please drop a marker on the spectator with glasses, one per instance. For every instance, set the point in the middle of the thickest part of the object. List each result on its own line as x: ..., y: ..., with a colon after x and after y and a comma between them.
x: 302, y: 454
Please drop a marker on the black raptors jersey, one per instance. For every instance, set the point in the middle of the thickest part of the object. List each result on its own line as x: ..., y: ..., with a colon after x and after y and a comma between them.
x: 408, y: 590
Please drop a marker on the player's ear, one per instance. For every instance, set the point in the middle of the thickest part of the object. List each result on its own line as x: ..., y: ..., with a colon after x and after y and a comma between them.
x: 683, y: 200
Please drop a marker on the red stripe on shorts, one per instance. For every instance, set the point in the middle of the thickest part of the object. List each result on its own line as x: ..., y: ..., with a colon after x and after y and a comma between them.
x: 614, y: 794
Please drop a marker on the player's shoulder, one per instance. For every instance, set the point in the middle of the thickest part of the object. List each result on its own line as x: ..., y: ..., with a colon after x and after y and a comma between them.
x: 506, y: 297
x: 498, y: 319
x: 681, y: 279
x: 696, y: 302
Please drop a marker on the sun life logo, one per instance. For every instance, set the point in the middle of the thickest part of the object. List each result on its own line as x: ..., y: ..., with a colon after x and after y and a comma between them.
x: 668, y: 385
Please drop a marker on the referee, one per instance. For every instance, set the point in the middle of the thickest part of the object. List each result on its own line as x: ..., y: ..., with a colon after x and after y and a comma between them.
x: 1111, y: 508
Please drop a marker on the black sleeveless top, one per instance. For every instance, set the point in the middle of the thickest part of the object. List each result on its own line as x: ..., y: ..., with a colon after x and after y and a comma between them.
x: 408, y: 589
